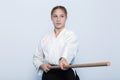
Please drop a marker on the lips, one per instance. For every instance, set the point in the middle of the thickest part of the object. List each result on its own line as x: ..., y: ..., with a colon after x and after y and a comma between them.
x: 58, y: 23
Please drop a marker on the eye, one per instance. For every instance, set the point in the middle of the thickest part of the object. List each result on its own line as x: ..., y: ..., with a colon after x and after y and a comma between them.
x: 62, y: 16
x: 54, y: 16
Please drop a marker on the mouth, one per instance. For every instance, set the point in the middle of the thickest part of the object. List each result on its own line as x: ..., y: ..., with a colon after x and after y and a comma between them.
x: 58, y: 23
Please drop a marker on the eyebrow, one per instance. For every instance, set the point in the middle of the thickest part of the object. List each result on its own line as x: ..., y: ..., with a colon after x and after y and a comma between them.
x: 60, y: 14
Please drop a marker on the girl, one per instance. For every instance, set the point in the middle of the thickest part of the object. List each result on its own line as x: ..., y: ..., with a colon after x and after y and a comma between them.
x: 58, y: 47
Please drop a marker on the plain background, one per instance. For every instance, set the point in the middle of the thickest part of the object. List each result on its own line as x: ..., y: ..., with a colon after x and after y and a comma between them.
x: 24, y: 22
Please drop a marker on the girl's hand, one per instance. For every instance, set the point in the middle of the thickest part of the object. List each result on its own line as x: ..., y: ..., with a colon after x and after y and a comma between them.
x: 45, y: 67
x: 63, y: 63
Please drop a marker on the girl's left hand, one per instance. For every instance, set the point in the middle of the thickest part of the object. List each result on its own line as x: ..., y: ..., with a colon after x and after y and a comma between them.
x: 63, y: 63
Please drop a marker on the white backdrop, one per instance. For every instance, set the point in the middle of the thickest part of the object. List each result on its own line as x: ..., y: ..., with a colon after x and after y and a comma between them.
x: 24, y: 22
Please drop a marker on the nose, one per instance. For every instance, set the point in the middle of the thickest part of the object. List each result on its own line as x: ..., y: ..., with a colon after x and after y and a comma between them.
x: 58, y: 18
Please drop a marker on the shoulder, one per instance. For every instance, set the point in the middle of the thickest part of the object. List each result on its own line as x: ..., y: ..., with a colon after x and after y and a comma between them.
x: 69, y: 34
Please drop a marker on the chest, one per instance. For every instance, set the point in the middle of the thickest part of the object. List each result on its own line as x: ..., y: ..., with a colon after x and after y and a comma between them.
x: 54, y: 43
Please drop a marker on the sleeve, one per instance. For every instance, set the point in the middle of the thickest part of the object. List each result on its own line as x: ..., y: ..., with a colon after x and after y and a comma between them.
x: 38, y: 58
x: 71, y: 48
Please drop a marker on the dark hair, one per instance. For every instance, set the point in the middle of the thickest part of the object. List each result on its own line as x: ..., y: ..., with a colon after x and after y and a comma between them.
x: 59, y: 7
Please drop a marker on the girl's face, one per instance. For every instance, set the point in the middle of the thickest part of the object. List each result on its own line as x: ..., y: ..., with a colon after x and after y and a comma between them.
x: 59, y: 18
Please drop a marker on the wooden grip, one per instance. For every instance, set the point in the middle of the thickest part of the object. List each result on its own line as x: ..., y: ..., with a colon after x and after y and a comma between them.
x: 96, y: 64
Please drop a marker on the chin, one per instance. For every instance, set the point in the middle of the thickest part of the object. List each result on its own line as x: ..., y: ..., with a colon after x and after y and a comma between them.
x: 59, y: 27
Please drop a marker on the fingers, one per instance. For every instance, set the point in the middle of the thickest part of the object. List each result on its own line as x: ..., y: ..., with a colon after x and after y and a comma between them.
x: 45, y: 67
x: 63, y: 63
x: 62, y: 66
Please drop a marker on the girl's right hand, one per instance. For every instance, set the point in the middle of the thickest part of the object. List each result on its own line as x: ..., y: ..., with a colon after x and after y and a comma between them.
x: 45, y: 67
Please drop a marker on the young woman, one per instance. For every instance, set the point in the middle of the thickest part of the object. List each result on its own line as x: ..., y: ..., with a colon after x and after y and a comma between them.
x: 58, y: 47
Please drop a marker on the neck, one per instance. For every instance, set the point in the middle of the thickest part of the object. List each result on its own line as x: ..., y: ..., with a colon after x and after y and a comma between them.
x: 57, y: 31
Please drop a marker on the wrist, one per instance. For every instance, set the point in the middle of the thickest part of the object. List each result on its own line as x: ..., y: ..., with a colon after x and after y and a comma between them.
x: 62, y: 59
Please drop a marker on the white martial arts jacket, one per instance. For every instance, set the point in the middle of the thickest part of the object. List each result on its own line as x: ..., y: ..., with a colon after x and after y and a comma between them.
x: 52, y: 48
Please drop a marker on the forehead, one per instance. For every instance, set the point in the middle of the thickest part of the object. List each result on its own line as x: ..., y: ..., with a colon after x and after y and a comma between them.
x: 59, y: 11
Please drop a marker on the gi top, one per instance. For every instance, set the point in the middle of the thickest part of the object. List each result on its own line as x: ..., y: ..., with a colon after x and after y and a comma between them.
x: 52, y: 48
